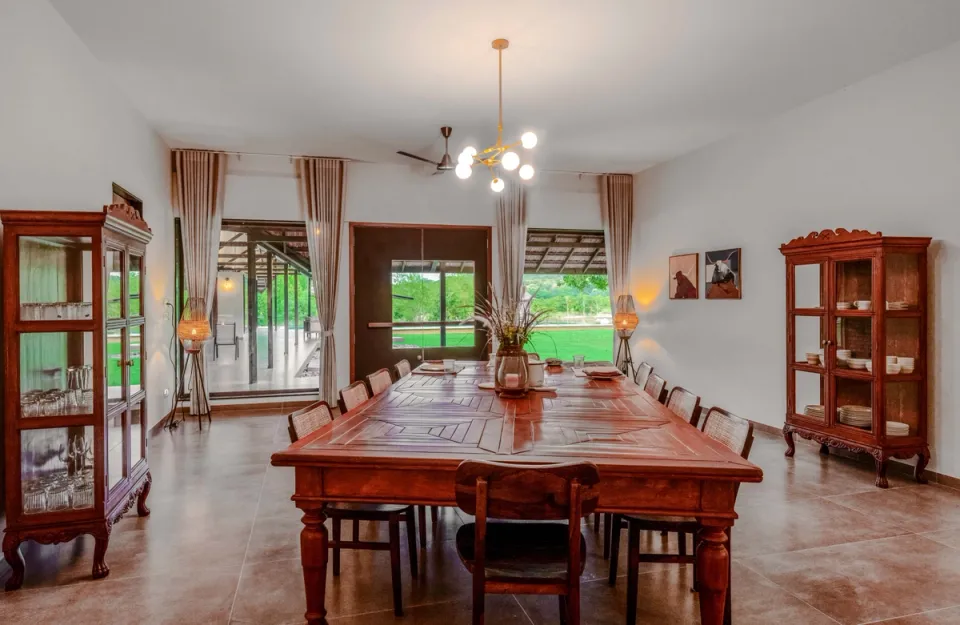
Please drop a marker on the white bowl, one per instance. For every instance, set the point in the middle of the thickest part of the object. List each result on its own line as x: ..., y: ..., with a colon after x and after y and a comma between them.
x: 893, y: 369
x: 863, y: 304
x: 903, y: 360
x: 891, y: 360
x: 870, y: 366
x: 844, y: 353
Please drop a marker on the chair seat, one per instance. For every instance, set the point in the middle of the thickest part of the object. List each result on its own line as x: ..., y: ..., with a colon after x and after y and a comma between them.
x: 521, y: 550
x: 366, y: 508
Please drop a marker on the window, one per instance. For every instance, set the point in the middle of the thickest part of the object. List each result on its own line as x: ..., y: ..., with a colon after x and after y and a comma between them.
x: 566, y: 275
x: 433, y: 303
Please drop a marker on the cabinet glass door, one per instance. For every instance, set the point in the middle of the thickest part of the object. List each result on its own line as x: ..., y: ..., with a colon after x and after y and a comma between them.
x: 57, y: 469
x: 113, y: 280
x: 115, y: 448
x: 56, y: 374
x: 116, y: 349
x: 56, y: 278
x: 854, y: 325
x: 134, y: 284
x: 134, y: 361
x: 809, y: 286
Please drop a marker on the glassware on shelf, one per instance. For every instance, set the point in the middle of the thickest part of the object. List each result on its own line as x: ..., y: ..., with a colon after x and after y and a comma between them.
x: 83, y: 492
x: 59, y: 493
x: 34, y: 499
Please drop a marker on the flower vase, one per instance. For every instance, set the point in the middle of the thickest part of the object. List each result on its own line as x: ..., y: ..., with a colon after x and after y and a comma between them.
x: 510, y: 379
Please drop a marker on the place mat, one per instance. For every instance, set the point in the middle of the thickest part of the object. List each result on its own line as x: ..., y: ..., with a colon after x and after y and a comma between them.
x: 489, y: 386
x: 420, y: 371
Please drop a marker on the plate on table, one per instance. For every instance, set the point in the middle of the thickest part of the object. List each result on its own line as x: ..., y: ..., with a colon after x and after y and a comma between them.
x: 606, y: 372
x: 431, y: 366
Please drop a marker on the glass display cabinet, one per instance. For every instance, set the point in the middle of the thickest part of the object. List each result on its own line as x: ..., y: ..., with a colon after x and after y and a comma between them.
x: 74, y: 396
x: 857, y: 345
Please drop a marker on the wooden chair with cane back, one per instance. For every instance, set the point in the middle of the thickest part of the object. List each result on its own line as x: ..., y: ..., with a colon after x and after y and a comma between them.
x: 643, y: 372
x: 512, y: 557
x: 352, y: 396
x: 379, y: 381
x: 684, y: 404
x: 736, y: 433
x: 402, y: 369
x: 306, y: 421
x: 656, y: 387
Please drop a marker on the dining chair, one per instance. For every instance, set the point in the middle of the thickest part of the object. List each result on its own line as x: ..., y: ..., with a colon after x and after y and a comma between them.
x: 643, y: 372
x: 402, y: 368
x: 684, y: 404
x: 735, y: 433
x: 379, y: 381
x: 656, y: 387
x: 306, y: 421
x: 226, y: 334
x: 525, y: 557
x: 352, y: 396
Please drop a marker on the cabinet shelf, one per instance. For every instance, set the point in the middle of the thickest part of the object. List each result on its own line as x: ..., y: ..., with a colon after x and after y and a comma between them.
x: 830, y: 267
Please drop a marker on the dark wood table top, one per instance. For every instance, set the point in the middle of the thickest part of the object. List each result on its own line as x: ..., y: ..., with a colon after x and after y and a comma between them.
x: 437, y: 421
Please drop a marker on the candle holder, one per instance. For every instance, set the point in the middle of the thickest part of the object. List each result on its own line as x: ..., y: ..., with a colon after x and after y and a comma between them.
x: 510, y: 379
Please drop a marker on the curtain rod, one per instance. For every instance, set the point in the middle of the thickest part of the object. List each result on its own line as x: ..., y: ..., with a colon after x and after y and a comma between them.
x: 290, y: 157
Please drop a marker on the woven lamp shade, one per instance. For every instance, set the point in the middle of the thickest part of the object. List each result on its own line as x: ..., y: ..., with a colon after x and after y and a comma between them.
x: 194, y: 327
x: 626, y: 320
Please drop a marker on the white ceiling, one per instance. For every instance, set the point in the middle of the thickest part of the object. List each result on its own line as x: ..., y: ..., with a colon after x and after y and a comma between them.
x: 608, y: 85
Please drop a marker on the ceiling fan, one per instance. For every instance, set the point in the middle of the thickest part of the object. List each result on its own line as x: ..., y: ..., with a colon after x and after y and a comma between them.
x: 445, y: 163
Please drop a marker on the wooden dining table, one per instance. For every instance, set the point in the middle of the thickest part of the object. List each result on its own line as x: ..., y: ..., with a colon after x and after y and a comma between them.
x: 404, y: 446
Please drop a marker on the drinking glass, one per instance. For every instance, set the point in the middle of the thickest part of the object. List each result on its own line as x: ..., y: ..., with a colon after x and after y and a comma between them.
x: 449, y: 365
x: 578, y: 361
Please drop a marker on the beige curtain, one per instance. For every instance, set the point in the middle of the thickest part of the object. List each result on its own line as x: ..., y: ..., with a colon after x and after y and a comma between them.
x: 616, y: 212
x: 512, y: 240
x: 198, y: 182
x: 320, y: 191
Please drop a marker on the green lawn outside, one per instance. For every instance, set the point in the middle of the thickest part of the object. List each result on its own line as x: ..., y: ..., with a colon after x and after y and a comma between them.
x: 114, y: 373
x: 593, y: 343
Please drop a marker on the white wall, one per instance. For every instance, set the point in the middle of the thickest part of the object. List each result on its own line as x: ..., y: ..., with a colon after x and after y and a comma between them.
x: 883, y: 154
x: 388, y: 193
x: 67, y: 134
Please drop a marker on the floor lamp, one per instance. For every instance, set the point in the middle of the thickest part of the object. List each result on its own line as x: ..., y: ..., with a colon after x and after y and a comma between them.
x: 193, y: 332
x: 625, y: 321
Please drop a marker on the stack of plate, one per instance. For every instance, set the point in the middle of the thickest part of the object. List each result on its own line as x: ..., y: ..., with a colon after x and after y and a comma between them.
x: 897, y: 306
x: 843, y: 355
x: 895, y: 428
x: 858, y: 363
x: 814, y: 410
x: 604, y: 372
x: 844, y: 305
x: 906, y: 364
x: 857, y: 416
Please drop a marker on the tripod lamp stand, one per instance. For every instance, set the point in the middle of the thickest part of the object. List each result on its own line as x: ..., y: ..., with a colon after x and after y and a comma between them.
x: 193, y: 332
x: 625, y: 321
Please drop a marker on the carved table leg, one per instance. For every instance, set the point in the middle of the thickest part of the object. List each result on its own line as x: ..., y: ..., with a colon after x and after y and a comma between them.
x: 824, y: 449
x: 922, y: 459
x: 313, y: 557
x: 142, y: 509
x: 791, y: 448
x: 713, y: 574
x: 11, y: 553
x: 101, y: 541
x: 881, y: 462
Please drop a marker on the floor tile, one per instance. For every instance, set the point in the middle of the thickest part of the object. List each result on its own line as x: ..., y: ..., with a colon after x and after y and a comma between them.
x: 946, y: 616
x: 868, y: 581
x: 918, y: 508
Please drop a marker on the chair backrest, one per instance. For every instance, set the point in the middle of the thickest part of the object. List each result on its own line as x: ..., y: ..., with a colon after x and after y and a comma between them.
x: 656, y: 387
x: 736, y: 433
x: 529, y: 492
x: 353, y: 395
x: 684, y: 404
x: 533, y: 356
x: 226, y: 333
x: 379, y: 381
x: 309, y: 419
x: 643, y: 372
x: 402, y: 368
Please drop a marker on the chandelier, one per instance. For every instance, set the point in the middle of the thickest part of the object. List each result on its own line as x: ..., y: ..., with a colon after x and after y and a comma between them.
x: 498, y: 154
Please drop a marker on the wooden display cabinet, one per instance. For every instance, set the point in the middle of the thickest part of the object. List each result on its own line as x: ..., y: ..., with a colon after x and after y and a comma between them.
x: 840, y: 391
x: 74, y: 401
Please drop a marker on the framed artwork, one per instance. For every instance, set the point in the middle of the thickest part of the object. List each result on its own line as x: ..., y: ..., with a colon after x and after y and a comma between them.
x: 723, y: 275
x: 684, y: 276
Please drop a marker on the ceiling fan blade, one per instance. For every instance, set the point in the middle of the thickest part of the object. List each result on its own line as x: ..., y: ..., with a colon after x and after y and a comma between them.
x: 414, y: 156
x: 438, y: 172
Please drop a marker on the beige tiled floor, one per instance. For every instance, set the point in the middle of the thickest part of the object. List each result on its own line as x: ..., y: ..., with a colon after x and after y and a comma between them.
x: 816, y: 544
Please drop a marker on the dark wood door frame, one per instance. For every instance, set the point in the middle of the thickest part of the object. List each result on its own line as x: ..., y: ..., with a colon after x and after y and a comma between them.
x: 366, y: 224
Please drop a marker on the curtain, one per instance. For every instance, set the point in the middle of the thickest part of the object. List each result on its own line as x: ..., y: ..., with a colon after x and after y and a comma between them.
x: 512, y: 240
x: 320, y: 192
x: 616, y: 212
x: 198, y: 181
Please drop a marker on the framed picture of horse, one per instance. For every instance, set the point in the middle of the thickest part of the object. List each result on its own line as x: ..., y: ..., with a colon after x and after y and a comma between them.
x: 723, y: 276
x: 684, y: 276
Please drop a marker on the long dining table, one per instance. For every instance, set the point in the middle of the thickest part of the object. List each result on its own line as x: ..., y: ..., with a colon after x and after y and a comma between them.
x: 404, y: 446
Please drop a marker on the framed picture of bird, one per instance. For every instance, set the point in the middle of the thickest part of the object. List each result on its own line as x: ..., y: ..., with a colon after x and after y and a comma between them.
x: 723, y: 276
x: 684, y: 276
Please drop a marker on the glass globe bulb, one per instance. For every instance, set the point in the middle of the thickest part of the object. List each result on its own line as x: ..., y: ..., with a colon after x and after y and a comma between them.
x: 529, y: 140
x: 526, y: 172
x: 463, y: 171
x: 497, y: 185
x: 465, y: 159
x: 472, y: 151
x: 510, y: 161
